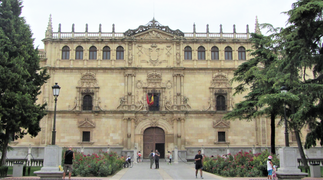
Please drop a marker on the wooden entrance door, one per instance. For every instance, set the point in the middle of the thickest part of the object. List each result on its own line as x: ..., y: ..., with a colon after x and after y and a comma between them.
x: 153, y: 136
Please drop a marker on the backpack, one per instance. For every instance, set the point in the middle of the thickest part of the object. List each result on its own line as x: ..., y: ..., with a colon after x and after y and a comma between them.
x: 150, y: 155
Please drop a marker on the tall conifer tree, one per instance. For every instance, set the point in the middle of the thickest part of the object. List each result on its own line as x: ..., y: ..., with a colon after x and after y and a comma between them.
x: 255, y: 76
x: 20, y: 77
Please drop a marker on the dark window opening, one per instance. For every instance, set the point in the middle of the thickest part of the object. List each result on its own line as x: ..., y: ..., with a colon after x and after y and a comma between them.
x: 86, y: 136
x: 221, y: 136
x: 201, y: 53
x: 155, y: 105
x: 120, y: 52
x: 106, y: 52
x: 66, y: 52
x: 93, y: 52
x: 188, y: 53
x: 87, y: 102
x: 242, y: 53
x: 220, y: 103
x: 215, y: 53
x: 79, y: 53
x: 228, y: 53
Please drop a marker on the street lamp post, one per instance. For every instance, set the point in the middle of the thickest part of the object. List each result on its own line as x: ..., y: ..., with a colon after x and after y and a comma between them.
x: 284, y: 90
x: 56, y: 89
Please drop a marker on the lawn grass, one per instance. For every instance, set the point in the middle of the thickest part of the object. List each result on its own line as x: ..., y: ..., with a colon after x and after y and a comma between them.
x: 309, y: 173
x: 32, y: 170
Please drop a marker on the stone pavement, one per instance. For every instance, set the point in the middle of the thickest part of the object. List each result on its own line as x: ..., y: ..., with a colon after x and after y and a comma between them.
x: 165, y: 171
x: 169, y: 172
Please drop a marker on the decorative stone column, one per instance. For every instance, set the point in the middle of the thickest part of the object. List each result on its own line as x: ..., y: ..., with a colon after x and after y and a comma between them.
x: 176, y: 155
x: 288, y: 164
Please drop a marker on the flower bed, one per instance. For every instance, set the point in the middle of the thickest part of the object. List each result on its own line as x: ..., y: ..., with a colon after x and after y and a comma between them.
x: 96, y: 165
x: 243, y: 164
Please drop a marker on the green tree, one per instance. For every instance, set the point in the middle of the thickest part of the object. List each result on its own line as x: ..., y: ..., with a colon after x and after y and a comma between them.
x: 20, y: 77
x: 300, y: 47
x: 255, y: 75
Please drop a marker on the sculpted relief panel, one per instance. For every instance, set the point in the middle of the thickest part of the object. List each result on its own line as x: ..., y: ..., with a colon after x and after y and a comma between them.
x: 153, y: 54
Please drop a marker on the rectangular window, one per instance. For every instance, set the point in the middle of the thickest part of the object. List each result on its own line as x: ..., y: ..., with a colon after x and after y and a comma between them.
x: 119, y: 55
x: 188, y: 55
x: 86, y: 136
x: 201, y: 55
x: 214, y: 55
x: 221, y: 136
x: 242, y: 56
x: 79, y: 55
x: 155, y: 105
x: 106, y: 55
x: 228, y: 55
x: 92, y: 55
x: 66, y: 55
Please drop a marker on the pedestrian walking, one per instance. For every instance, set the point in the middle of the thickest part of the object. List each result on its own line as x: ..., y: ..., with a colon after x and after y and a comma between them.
x: 151, y: 158
x: 68, y: 162
x: 198, y: 163
x: 157, y: 159
x: 170, y: 157
x: 270, y: 167
x: 138, y: 156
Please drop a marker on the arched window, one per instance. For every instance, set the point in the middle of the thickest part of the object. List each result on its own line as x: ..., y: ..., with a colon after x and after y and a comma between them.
x: 201, y: 53
x: 220, y: 103
x: 188, y: 53
x: 242, y: 53
x: 228, y: 53
x: 106, y: 52
x: 66, y: 52
x: 79, y: 52
x: 120, y: 52
x: 87, y: 102
x: 93, y: 52
x: 215, y: 53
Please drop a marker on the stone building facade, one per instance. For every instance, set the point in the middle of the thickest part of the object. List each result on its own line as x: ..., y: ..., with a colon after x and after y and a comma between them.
x: 105, y: 78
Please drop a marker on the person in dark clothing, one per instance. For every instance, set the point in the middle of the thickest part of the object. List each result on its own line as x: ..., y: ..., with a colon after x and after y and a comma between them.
x: 68, y: 162
x: 157, y: 159
x: 151, y: 158
x: 198, y: 163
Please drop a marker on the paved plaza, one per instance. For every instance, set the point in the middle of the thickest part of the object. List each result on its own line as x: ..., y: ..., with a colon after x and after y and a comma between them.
x: 167, y: 172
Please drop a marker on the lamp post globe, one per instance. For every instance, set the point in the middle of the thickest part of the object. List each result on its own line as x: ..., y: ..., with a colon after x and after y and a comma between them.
x: 284, y: 90
x: 56, y: 90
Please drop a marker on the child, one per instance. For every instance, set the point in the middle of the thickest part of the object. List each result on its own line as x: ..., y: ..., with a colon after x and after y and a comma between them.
x: 270, y: 167
x: 274, y: 172
x: 139, y: 156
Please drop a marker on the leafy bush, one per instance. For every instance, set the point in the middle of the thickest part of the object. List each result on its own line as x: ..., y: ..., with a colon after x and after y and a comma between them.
x: 243, y: 164
x: 96, y: 165
x: 3, y: 171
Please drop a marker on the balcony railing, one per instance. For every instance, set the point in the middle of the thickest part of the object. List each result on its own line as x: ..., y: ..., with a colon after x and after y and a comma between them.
x: 110, y: 35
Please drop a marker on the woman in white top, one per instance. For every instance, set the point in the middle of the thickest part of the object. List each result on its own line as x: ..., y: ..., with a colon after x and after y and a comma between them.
x: 270, y: 167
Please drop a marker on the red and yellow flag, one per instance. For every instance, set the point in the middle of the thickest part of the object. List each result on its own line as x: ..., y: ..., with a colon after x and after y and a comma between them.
x: 151, y: 102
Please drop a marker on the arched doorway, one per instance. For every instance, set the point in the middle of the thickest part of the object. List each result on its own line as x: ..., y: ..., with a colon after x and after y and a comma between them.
x: 154, y: 138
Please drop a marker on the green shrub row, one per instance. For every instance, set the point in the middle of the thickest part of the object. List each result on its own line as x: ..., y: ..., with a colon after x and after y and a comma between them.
x: 243, y: 164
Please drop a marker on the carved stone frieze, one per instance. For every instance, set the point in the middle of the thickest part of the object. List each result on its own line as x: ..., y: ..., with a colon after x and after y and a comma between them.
x: 87, y: 123
x: 88, y: 80
x: 221, y: 124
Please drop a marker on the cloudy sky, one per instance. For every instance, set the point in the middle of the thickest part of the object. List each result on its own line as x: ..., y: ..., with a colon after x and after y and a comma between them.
x: 129, y: 14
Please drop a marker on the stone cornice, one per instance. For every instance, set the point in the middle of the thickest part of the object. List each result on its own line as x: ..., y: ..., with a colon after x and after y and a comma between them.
x: 121, y: 112
x: 139, y: 68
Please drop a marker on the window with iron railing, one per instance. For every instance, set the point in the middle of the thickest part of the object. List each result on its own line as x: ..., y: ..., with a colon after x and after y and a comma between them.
x: 87, y: 103
x: 220, y: 103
